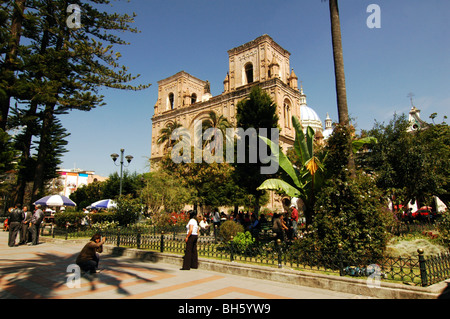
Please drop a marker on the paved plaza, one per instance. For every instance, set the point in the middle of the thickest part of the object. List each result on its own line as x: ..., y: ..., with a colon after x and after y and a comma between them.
x: 44, y: 272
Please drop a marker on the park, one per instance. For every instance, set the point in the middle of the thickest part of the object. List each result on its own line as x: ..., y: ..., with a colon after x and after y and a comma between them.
x: 365, y: 204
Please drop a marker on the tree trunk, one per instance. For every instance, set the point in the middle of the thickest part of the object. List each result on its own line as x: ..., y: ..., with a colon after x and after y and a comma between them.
x: 338, y: 63
x: 341, y: 91
x: 25, y: 149
x: 47, y: 121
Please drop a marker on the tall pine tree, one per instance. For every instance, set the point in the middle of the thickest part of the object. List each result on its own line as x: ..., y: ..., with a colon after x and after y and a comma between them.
x: 64, y: 70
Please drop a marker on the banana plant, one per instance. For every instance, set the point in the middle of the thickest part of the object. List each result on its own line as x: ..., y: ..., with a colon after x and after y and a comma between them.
x: 302, y: 182
x: 305, y: 181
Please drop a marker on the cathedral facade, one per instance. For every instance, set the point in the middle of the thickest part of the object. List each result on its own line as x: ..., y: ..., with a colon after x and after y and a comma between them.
x: 185, y: 99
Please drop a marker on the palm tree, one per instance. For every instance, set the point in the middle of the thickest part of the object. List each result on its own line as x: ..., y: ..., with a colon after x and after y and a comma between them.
x: 165, y: 134
x: 217, y: 124
x: 338, y: 63
x: 339, y: 74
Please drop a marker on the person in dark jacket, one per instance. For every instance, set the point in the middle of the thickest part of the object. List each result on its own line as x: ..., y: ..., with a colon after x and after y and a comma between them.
x: 25, y: 225
x: 15, y: 224
x: 36, y: 221
x: 279, y: 226
x: 88, y: 258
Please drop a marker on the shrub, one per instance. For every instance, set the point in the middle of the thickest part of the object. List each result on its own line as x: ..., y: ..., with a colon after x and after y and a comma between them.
x: 444, y: 229
x: 104, y: 225
x: 103, y: 217
x: 350, y: 213
x: 349, y: 210
x: 73, y: 218
x: 164, y: 222
x: 243, y: 241
x: 230, y: 228
x: 128, y: 210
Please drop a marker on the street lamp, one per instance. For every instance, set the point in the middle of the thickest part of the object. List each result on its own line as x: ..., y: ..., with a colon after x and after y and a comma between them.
x: 114, y: 157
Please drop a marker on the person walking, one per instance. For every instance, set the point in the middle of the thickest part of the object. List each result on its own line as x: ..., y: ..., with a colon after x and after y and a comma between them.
x: 36, y: 221
x: 216, y: 221
x: 294, y: 218
x: 14, y: 221
x: 88, y: 259
x: 25, y: 226
x: 278, y: 226
x: 191, y: 255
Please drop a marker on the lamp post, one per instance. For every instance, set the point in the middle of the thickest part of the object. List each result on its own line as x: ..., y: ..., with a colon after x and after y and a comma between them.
x: 114, y: 157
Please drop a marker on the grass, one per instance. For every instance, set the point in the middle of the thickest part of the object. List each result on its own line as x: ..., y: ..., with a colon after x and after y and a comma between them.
x: 407, y: 246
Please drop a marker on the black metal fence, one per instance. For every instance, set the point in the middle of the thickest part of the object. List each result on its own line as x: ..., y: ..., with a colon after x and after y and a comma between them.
x: 421, y: 270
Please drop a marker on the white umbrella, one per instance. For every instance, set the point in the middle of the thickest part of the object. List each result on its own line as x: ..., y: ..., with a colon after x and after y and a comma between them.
x: 55, y: 200
x: 104, y: 203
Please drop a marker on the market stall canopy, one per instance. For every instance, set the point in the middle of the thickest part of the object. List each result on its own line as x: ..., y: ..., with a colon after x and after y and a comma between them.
x: 104, y: 203
x: 55, y: 200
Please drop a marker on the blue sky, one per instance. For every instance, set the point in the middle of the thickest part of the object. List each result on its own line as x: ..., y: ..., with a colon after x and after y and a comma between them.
x: 410, y: 53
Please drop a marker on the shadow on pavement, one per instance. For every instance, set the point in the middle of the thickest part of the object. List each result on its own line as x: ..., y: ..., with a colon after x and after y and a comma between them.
x: 47, y: 274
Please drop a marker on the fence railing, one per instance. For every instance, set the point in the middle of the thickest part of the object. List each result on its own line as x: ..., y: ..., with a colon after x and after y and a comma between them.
x: 421, y: 270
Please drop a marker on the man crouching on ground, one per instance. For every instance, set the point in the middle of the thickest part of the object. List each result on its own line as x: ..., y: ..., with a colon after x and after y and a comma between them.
x: 88, y: 258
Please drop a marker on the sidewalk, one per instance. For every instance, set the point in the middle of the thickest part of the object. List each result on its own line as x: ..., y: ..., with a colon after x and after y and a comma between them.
x: 41, y: 272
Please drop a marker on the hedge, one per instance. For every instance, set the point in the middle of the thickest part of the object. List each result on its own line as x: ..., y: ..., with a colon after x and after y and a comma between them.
x: 75, y: 218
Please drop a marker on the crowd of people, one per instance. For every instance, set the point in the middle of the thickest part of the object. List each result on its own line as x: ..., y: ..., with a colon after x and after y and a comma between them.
x: 283, y: 225
x: 24, y: 223
x: 284, y: 229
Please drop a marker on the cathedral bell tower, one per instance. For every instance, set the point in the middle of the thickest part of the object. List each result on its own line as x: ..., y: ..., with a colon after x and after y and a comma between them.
x: 257, y: 61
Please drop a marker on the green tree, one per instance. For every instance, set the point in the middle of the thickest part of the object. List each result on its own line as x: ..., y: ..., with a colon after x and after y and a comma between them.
x: 132, y: 183
x: 306, y: 176
x: 163, y: 190
x: 11, y: 19
x: 302, y: 181
x: 258, y: 111
x: 51, y: 156
x: 128, y: 210
x: 28, y: 124
x: 210, y: 184
x: 61, y: 69
x: 217, y: 126
x: 349, y: 211
x: 165, y: 134
x: 8, y: 156
x: 435, y: 141
x: 410, y: 165
x: 88, y: 194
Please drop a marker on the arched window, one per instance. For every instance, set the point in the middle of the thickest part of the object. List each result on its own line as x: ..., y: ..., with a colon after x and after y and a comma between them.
x: 248, y: 73
x: 287, y: 113
x: 193, y: 98
x: 171, y: 100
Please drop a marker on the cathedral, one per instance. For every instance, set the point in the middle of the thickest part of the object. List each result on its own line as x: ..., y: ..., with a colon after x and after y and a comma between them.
x: 185, y: 99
